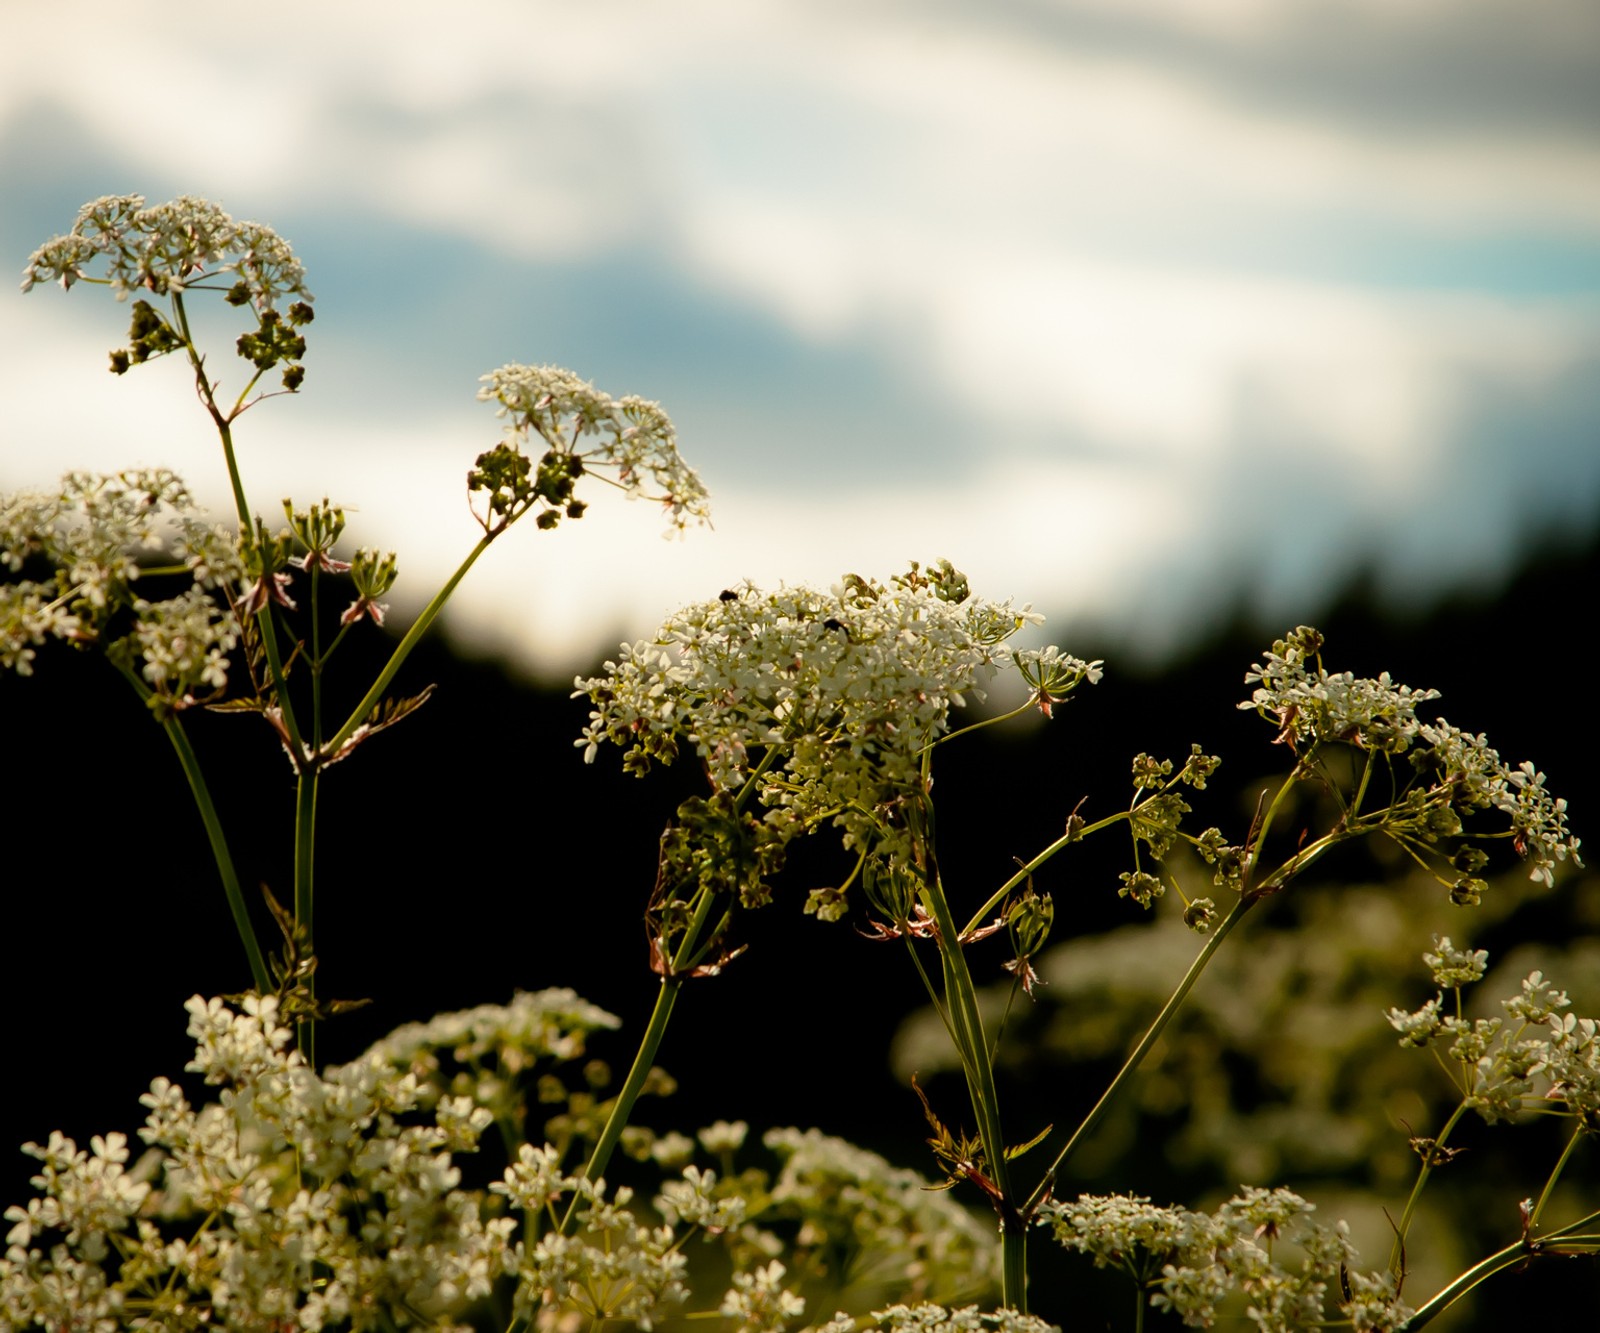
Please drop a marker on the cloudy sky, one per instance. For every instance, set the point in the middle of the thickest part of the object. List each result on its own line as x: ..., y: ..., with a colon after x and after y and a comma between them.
x: 1129, y: 307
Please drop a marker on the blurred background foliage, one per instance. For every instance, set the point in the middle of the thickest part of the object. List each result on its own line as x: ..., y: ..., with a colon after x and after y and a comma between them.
x: 470, y: 854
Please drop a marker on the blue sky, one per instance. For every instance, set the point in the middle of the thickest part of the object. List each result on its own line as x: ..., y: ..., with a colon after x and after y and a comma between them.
x: 1130, y: 309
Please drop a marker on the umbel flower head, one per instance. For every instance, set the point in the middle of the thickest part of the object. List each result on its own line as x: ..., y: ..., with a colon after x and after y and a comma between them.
x: 88, y: 544
x: 168, y: 249
x: 1454, y: 774
x: 627, y: 442
x: 820, y: 705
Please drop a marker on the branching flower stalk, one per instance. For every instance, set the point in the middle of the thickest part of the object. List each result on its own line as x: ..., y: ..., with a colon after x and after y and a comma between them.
x: 827, y: 707
x: 190, y: 245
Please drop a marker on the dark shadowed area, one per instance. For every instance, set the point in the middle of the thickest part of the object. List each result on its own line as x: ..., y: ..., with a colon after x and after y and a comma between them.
x: 470, y: 853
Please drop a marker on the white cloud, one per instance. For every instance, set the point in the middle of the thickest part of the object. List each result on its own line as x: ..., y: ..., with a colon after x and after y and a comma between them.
x: 1056, y: 234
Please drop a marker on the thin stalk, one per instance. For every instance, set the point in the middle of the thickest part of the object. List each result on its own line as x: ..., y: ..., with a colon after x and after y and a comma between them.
x: 1361, y: 789
x: 224, y: 425
x: 978, y: 726
x: 1423, y: 1172
x: 622, y: 1108
x: 998, y: 896
x: 305, y: 833
x: 967, y: 1023
x: 1555, y: 1174
x: 413, y: 636
x: 1149, y: 1039
x: 1005, y: 1017
x: 933, y: 998
x: 1516, y: 1253
x: 219, y: 850
x: 190, y: 763
x: 1272, y: 810
x: 316, y: 658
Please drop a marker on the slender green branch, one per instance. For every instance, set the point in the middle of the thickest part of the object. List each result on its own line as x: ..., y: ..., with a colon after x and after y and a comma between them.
x: 1361, y: 789
x: 305, y: 833
x: 935, y: 1000
x: 1555, y: 1175
x: 999, y: 895
x: 1566, y: 1241
x: 316, y: 657
x: 223, y: 422
x: 1097, y: 1113
x: 1005, y: 1016
x: 643, y: 1062
x: 666, y: 998
x: 967, y: 1024
x: 949, y: 736
x: 1265, y: 825
x: 214, y: 834
x: 1397, y: 1250
x: 413, y: 636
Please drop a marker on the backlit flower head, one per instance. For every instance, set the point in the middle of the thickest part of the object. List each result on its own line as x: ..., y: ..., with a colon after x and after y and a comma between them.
x: 826, y: 701
x: 167, y: 247
x: 558, y: 428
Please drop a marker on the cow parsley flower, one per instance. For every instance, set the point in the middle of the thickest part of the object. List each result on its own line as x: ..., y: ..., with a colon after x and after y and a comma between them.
x: 1453, y: 967
x: 166, y: 248
x: 98, y: 536
x: 823, y: 703
x: 577, y: 430
x: 1462, y: 772
x: 1310, y: 704
x: 760, y: 1302
x: 930, y: 1318
x: 1195, y: 1261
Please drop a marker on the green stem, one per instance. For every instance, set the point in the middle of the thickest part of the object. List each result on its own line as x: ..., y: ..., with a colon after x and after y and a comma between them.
x: 316, y: 658
x: 978, y: 726
x: 219, y: 850
x: 214, y: 834
x: 305, y: 834
x: 1566, y: 1241
x: 1149, y: 1039
x: 933, y: 995
x: 1555, y: 1174
x: 413, y: 636
x: 622, y: 1108
x: 1272, y: 810
x: 1397, y: 1250
x: 967, y: 1028
x: 223, y: 422
x: 224, y: 425
x: 1361, y: 788
x: 998, y: 896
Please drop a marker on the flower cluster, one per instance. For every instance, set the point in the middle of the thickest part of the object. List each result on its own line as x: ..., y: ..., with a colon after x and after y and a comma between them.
x: 166, y: 248
x: 609, y: 1265
x: 880, y: 1224
x: 1198, y: 1261
x: 319, y: 1201
x: 1312, y: 706
x: 1478, y: 779
x: 491, y: 1052
x: 332, y: 1200
x: 580, y: 431
x: 76, y: 556
x: 1503, y: 1066
x: 821, y: 704
x: 930, y: 1318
